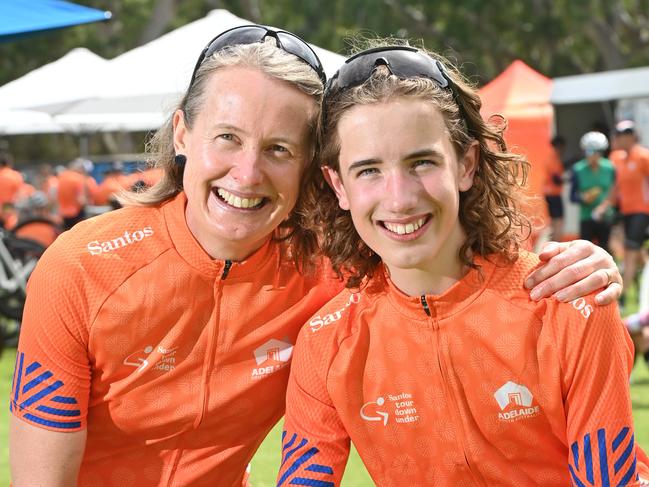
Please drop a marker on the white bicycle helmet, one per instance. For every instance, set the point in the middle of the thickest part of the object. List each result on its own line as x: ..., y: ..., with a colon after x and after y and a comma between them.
x: 592, y: 142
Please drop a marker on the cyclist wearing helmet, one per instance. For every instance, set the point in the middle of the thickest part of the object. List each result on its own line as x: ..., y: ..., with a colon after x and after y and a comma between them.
x: 592, y: 180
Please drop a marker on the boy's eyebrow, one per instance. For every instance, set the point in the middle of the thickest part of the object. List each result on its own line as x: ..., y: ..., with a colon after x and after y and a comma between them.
x: 425, y: 153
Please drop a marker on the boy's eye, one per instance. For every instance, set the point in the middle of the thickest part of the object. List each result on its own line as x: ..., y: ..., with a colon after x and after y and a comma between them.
x: 279, y: 148
x: 368, y: 171
x: 424, y: 163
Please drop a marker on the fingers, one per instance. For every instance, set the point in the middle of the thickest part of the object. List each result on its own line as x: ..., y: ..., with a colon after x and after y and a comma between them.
x: 579, y: 269
x: 550, y: 249
x: 568, y: 254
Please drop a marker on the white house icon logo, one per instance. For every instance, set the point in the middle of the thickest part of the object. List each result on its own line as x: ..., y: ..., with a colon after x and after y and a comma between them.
x: 271, y: 356
x: 517, y: 400
x: 275, y: 350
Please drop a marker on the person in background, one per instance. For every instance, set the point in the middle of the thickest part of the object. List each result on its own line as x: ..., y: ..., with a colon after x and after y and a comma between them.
x: 631, y: 193
x: 434, y: 362
x: 553, y: 186
x: 593, y: 179
x: 115, y: 181
x: 156, y: 338
x: 35, y: 220
x: 11, y: 182
x: 47, y: 182
x: 73, y: 193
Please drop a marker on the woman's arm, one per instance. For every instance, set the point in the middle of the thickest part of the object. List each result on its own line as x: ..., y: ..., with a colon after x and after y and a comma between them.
x: 43, y: 457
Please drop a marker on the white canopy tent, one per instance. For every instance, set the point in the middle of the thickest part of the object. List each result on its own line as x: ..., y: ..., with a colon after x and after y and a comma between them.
x: 598, y: 87
x: 142, y: 86
x: 68, y: 79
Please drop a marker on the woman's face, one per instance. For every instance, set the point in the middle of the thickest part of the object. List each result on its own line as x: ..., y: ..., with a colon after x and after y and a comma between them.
x: 246, y: 153
x: 400, y: 178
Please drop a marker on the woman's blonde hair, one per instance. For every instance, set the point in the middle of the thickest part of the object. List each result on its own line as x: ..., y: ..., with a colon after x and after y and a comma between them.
x: 488, y: 210
x: 273, y: 61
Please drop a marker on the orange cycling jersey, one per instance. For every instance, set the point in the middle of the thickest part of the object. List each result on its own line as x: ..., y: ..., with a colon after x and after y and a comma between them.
x: 478, y: 386
x: 71, y: 193
x: 177, y: 383
x: 632, y: 179
x: 10, y: 183
x: 552, y: 184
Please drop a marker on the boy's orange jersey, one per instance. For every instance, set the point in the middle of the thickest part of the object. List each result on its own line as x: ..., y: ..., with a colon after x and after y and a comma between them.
x: 632, y: 179
x: 175, y: 363
x: 479, y: 386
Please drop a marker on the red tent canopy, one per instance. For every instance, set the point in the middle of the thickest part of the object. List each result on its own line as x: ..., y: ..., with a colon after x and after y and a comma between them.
x: 522, y: 96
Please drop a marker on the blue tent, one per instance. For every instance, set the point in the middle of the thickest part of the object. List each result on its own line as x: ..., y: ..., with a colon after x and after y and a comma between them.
x: 20, y: 17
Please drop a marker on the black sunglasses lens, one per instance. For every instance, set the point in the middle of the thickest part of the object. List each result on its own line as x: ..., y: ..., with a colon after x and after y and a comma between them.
x: 296, y: 46
x: 238, y: 35
x: 403, y: 63
x: 253, y: 33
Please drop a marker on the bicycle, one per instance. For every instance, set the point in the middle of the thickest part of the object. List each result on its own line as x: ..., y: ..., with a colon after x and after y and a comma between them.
x: 18, y: 257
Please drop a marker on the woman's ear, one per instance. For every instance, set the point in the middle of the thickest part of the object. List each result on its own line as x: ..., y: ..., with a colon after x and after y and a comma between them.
x: 180, y: 131
x: 336, y: 183
x: 467, y: 166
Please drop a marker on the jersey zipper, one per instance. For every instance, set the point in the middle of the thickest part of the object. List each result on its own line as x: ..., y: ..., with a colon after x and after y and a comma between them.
x: 211, y: 345
x: 456, y: 419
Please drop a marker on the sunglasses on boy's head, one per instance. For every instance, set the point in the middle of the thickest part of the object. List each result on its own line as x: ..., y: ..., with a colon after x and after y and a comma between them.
x: 250, y: 34
x: 402, y: 61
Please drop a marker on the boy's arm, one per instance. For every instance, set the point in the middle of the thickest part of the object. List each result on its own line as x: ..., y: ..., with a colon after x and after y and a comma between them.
x: 315, y: 444
x: 595, y: 356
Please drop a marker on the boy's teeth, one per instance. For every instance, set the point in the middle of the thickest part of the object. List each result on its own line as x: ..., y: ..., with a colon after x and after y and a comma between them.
x: 405, y: 229
x: 238, y: 202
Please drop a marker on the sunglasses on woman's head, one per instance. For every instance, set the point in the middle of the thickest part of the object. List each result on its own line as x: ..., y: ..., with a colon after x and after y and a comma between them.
x: 251, y: 34
x: 402, y: 61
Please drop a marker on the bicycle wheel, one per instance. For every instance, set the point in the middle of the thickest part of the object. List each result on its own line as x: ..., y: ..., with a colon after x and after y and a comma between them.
x: 25, y: 254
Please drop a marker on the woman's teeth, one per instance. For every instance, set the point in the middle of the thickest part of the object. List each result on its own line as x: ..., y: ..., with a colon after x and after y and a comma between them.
x: 238, y: 202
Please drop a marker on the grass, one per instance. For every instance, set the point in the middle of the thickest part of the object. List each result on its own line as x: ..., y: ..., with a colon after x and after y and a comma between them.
x: 265, y: 463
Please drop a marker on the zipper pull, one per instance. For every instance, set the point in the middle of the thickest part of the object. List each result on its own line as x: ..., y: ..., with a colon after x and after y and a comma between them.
x: 424, y: 303
x: 226, y: 269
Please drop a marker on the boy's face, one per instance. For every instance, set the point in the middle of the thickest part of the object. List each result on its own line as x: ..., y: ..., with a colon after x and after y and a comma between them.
x: 401, y: 180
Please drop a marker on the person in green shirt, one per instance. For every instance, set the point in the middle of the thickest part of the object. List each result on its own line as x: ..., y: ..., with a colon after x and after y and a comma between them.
x: 592, y: 180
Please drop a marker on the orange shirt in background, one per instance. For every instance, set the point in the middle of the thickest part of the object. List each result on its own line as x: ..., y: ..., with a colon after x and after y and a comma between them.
x: 632, y: 179
x: 553, y: 170
x: 477, y: 386
x: 111, y: 185
x: 10, y: 184
x: 92, y: 188
x: 72, y: 193
x: 39, y: 230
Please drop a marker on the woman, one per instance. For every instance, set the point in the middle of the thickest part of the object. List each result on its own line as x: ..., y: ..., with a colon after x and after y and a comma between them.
x: 156, y: 338
x: 440, y: 368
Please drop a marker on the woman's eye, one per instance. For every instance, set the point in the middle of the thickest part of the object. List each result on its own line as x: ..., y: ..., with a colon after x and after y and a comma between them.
x: 226, y: 136
x: 279, y: 148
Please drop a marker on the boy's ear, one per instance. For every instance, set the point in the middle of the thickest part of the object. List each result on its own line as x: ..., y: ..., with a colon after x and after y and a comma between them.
x: 467, y: 166
x: 336, y: 183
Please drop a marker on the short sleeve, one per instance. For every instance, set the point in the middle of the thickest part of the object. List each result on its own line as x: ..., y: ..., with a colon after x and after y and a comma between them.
x: 315, y: 445
x: 596, y: 359
x: 51, y: 380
